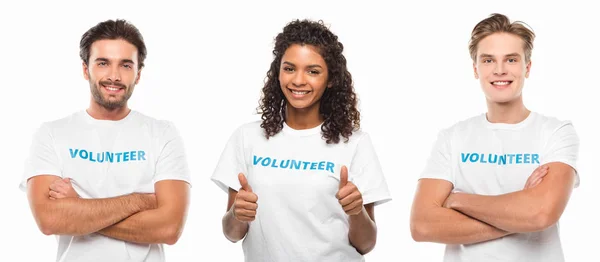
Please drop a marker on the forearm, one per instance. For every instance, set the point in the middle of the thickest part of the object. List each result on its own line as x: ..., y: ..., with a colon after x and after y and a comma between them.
x: 233, y: 229
x: 147, y: 227
x: 515, y: 212
x: 75, y: 216
x: 447, y: 226
x: 362, y: 232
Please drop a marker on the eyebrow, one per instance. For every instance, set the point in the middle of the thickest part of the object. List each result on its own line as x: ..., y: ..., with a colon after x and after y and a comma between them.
x: 310, y: 66
x: 123, y: 61
x: 508, y: 55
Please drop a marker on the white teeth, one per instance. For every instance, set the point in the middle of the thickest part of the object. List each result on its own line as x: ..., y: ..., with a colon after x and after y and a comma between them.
x: 112, y: 88
x: 501, y: 83
x: 299, y: 92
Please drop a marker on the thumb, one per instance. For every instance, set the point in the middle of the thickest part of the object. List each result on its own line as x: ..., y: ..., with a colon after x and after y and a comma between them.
x: 244, y: 182
x: 343, y: 176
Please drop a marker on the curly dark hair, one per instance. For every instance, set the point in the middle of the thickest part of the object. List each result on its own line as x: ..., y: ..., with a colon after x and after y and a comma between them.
x: 338, y: 105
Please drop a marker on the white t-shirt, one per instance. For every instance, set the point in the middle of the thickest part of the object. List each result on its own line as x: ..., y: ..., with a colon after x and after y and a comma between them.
x: 295, y: 175
x: 486, y: 158
x: 107, y: 159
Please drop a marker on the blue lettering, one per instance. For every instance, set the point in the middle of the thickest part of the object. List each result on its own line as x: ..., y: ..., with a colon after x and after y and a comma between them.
x: 502, y: 160
x: 330, y: 167
x: 526, y: 159
x: 125, y: 156
x: 98, y: 155
x: 266, y: 161
x: 110, y: 157
x: 92, y: 156
x: 118, y: 157
x: 482, y: 159
x: 81, y: 154
x: 256, y: 160
x: 274, y: 163
x: 519, y: 158
x: 305, y: 164
x: 313, y: 166
x: 321, y: 165
x: 296, y: 164
x: 534, y: 158
x: 132, y: 155
x: 511, y: 156
x: 464, y: 157
x: 73, y: 153
x: 473, y: 160
x: 490, y: 158
x: 284, y: 164
x: 141, y: 155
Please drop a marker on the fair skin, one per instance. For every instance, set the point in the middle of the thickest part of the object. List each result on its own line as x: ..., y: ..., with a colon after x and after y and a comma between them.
x: 142, y: 218
x: 439, y: 215
x: 304, y: 79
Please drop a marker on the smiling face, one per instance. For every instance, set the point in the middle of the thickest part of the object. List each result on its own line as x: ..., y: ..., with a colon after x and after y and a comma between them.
x: 112, y: 72
x: 501, y: 67
x: 303, y: 77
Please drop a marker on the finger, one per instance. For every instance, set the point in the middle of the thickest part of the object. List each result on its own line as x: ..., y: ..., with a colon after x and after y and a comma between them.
x: 245, y: 218
x: 352, y: 205
x: 354, y: 211
x: 55, y: 194
x: 537, y: 173
x: 246, y: 205
x: 343, y: 177
x: 248, y: 196
x: 245, y: 212
x: 354, y: 197
x: 51, y: 198
x: 66, y: 180
x: 346, y: 191
x: 536, y: 182
x: 244, y: 182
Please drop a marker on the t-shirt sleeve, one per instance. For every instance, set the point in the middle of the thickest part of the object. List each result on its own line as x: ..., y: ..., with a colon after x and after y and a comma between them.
x: 439, y: 165
x: 366, y: 173
x: 171, y: 163
x: 42, y: 158
x: 563, y: 146
x: 231, y: 163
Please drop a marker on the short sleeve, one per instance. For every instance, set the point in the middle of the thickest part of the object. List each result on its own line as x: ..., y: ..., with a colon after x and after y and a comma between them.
x: 42, y: 158
x: 563, y: 146
x: 366, y: 173
x: 171, y: 163
x: 231, y: 163
x: 439, y: 165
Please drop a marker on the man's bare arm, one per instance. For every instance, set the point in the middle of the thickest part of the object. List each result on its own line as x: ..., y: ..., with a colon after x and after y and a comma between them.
x: 161, y: 225
x: 529, y: 210
x: 76, y: 216
x: 431, y: 222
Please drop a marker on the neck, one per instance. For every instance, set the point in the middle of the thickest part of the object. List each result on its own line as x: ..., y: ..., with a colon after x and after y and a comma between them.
x: 99, y: 112
x: 508, y: 113
x: 302, y: 118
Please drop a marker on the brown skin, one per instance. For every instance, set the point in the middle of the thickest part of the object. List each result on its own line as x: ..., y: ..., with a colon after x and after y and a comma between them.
x: 304, y: 70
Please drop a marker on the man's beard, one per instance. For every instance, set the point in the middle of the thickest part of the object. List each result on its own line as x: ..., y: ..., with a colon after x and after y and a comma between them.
x: 108, y: 103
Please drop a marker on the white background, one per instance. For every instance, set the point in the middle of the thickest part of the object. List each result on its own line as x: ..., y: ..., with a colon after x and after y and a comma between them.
x: 206, y: 65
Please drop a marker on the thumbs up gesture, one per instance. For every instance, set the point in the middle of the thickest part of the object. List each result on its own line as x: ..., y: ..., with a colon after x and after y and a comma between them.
x: 348, y: 195
x: 244, y: 206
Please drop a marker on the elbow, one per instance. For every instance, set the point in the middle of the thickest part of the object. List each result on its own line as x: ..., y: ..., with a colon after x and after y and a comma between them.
x: 367, y: 247
x: 419, y: 231
x: 45, y: 225
x: 172, y: 235
x: 542, y: 221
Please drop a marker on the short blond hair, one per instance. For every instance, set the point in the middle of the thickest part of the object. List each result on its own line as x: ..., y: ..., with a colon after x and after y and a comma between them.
x: 498, y: 23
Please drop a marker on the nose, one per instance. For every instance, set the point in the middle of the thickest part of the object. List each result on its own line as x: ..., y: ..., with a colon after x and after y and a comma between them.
x: 500, y: 70
x: 114, y: 74
x: 298, y: 79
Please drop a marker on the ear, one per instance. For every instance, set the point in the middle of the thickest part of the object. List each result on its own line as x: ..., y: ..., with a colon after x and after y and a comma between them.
x: 527, y: 69
x: 475, y: 71
x: 139, y: 74
x: 86, y: 72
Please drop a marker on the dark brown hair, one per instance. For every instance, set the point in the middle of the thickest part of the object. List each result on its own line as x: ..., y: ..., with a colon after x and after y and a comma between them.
x: 338, y: 106
x: 498, y: 23
x: 113, y: 29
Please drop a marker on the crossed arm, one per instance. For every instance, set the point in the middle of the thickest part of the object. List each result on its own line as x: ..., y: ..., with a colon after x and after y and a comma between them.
x: 139, y: 218
x: 458, y: 218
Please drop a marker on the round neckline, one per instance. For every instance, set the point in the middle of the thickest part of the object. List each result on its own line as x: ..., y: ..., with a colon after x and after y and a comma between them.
x: 105, y: 122
x: 302, y: 132
x: 518, y: 125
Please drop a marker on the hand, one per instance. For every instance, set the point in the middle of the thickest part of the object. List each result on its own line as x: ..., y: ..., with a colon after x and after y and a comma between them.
x: 536, y: 177
x: 244, y: 206
x: 348, y: 195
x: 62, y: 188
x: 448, y: 201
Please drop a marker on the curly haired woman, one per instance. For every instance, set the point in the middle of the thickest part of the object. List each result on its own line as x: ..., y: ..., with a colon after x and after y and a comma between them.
x: 303, y: 182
